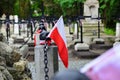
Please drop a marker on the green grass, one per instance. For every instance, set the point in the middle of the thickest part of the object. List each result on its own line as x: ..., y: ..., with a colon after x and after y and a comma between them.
x: 109, y: 31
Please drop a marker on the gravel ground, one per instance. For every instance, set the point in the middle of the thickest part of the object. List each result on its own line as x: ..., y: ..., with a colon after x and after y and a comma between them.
x: 74, y: 64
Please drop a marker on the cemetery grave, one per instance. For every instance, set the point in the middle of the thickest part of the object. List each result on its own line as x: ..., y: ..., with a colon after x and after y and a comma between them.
x: 25, y: 45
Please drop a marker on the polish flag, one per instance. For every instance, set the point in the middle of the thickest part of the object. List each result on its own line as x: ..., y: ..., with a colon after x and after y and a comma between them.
x: 57, y: 34
x: 105, y: 67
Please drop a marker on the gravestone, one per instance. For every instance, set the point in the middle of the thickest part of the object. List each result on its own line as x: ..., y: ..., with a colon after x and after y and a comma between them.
x: 3, y: 17
x: 16, y: 26
x: 90, y: 25
x: 2, y: 26
x: 117, y: 40
x: 23, y: 26
x: 118, y: 30
x: 11, y: 25
x: 75, y: 31
x: 91, y: 9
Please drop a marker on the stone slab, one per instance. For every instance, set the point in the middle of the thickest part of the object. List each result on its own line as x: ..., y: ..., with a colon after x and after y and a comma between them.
x: 116, y: 44
x: 24, y: 50
x: 94, y: 46
x: 117, y: 40
x: 98, y: 41
x: 18, y: 40
x: 31, y: 48
x: 31, y: 43
x: 81, y: 46
x: 15, y: 46
x: 85, y: 54
x: 76, y: 41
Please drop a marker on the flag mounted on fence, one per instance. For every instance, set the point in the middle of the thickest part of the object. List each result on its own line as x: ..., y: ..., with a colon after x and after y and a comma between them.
x: 57, y: 34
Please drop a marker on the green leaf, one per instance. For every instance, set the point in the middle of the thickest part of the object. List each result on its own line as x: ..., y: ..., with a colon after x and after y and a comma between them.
x: 103, y: 6
x: 112, y: 2
x: 101, y: 1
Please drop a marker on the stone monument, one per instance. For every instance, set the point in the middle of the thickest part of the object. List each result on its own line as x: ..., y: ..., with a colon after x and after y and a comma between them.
x: 16, y: 26
x: 117, y: 40
x: 91, y: 8
x: 11, y: 17
x: 2, y: 26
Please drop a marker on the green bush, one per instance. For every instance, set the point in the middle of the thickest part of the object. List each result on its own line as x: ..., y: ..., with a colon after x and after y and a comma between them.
x: 109, y: 31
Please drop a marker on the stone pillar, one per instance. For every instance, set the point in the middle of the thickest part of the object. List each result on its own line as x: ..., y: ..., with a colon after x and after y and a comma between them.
x: 76, y: 31
x: 117, y: 40
x: 52, y: 54
x: 23, y: 26
x: 2, y: 26
x: 16, y: 26
x: 71, y: 28
x: 87, y: 12
x: 118, y: 30
x: 11, y: 25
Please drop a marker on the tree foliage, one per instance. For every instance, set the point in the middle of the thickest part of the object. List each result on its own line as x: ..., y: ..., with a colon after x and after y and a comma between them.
x: 7, y: 7
x: 111, y: 11
x: 22, y: 8
x: 70, y: 7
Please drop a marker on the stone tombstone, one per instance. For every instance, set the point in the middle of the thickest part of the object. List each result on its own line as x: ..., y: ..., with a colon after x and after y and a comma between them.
x: 16, y: 26
x: 91, y: 8
x: 3, y: 17
x: 76, y: 29
x: 52, y: 55
x: 118, y: 30
x: 2, y: 26
x: 11, y: 17
x: 23, y: 26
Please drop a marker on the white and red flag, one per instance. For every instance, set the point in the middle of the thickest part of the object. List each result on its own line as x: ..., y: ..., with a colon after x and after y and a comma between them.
x: 57, y: 34
x: 105, y: 67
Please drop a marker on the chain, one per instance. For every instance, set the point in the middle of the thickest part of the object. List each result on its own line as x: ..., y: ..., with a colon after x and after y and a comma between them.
x: 46, y: 69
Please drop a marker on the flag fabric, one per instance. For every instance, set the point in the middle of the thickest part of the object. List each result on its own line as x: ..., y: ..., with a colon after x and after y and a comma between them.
x: 57, y: 34
x: 105, y: 67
